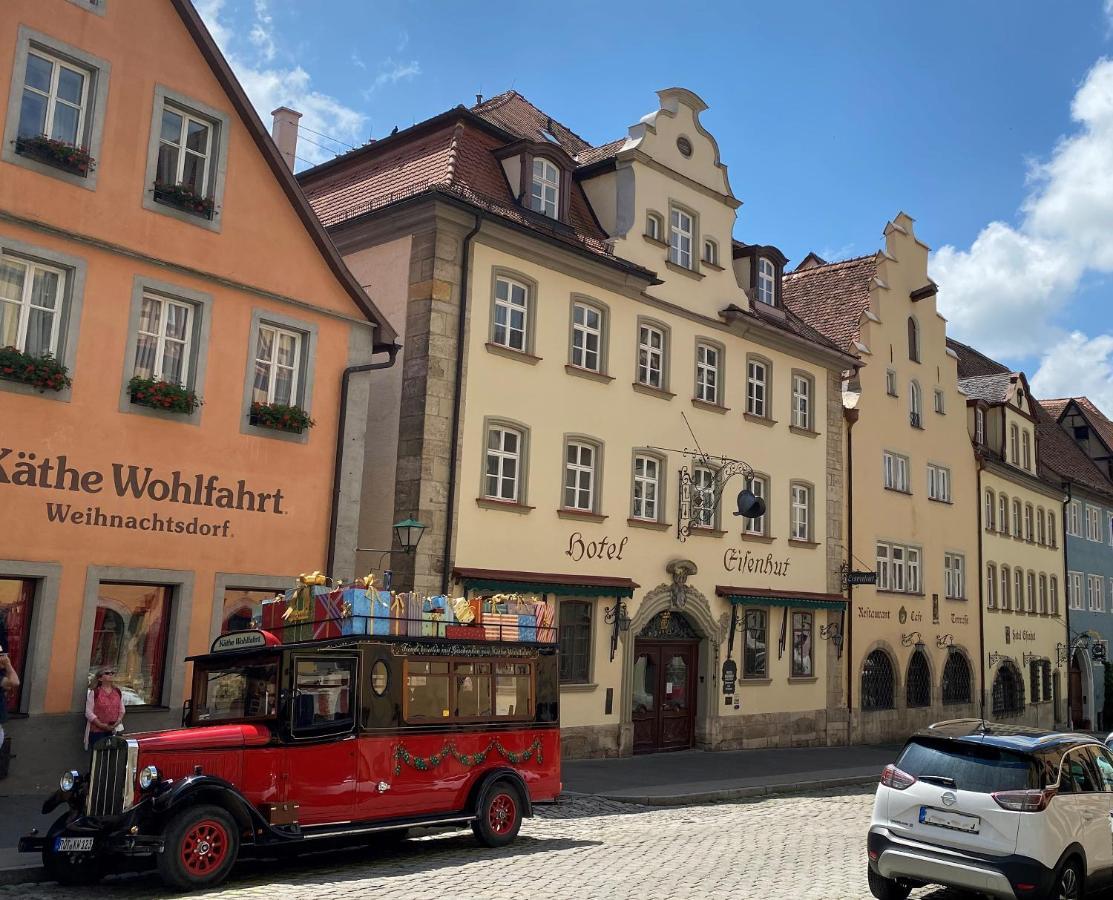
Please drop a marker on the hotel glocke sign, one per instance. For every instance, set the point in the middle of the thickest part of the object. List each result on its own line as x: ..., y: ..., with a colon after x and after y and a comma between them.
x: 25, y: 469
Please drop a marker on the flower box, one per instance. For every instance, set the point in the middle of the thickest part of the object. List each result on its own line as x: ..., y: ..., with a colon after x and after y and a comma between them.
x: 59, y: 154
x: 164, y: 395
x: 181, y: 197
x: 42, y: 372
x: 280, y: 417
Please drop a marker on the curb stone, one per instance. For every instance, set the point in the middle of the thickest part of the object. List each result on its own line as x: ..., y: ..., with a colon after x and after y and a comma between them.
x: 741, y: 793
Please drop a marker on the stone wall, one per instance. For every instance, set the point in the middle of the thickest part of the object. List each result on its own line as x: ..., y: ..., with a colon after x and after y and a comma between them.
x: 884, y: 726
x: 591, y: 742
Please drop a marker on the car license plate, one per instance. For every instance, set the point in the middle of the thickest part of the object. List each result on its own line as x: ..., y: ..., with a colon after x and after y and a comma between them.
x: 73, y: 845
x: 943, y: 819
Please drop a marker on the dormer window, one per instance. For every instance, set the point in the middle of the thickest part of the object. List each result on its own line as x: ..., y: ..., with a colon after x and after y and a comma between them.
x: 766, y: 281
x: 545, y: 191
x: 680, y: 238
x: 710, y: 252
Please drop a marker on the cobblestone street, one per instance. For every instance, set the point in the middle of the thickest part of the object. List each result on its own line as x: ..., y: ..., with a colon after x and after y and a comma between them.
x: 787, y: 847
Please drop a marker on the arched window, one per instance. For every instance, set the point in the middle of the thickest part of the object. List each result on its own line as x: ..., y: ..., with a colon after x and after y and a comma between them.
x: 1008, y: 691
x: 913, y: 339
x: 877, y: 681
x: 915, y: 405
x: 918, y: 688
x: 956, y: 679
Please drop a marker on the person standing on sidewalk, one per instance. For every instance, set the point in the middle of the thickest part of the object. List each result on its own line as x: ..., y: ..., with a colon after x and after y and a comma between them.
x: 104, y: 707
x: 8, y: 679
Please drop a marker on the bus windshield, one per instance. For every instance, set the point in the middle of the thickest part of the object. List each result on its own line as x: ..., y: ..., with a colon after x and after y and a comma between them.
x: 244, y: 691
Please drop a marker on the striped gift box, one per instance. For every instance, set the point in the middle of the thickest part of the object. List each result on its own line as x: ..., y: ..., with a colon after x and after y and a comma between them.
x: 500, y: 626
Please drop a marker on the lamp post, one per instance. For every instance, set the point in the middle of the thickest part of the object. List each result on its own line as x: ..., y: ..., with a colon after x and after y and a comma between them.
x: 408, y: 534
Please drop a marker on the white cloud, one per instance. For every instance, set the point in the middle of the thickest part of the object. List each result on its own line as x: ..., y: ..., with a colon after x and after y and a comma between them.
x: 1078, y: 366
x: 270, y: 85
x: 391, y: 72
x: 1008, y: 292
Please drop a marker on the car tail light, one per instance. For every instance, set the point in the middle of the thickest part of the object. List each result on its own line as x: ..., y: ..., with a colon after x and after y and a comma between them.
x: 1024, y: 801
x: 896, y: 779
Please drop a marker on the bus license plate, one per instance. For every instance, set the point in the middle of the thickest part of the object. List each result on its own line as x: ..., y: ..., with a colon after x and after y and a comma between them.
x: 943, y: 819
x: 73, y: 845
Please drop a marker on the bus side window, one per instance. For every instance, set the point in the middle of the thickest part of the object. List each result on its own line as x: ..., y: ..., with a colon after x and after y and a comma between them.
x: 323, y: 694
x: 513, y: 690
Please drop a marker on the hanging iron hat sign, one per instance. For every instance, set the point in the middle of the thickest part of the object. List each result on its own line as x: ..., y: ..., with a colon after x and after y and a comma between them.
x: 750, y: 506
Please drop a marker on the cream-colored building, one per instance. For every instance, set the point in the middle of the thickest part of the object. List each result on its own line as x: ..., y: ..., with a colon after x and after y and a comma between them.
x: 1023, y: 574
x: 912, y: 637
x: 591, y: 364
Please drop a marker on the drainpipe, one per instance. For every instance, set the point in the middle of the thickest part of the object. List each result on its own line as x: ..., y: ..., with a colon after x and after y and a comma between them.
x: 341, y: 430
x: 457, y: 401
x: 1066, y: 604
x: 851, y: 416
x: 981, y: 578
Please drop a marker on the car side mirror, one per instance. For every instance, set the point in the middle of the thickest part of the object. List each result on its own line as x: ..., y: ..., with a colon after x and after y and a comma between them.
x: 1109, y: 740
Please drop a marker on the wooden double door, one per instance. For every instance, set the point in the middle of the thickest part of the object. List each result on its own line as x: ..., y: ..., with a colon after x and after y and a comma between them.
x: 664, y: 695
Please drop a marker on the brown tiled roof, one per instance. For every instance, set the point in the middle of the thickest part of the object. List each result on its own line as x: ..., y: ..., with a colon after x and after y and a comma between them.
x: 972, y: 363
x: 598, y: 154
x: 512, y: 112
x: 1097, y: 419
x: 831, y: 298
x: 1061, y: 458
x: 1055, y: 407
x: 991, y: 388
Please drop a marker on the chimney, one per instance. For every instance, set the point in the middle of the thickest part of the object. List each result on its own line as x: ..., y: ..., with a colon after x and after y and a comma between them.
x: 284, y: 130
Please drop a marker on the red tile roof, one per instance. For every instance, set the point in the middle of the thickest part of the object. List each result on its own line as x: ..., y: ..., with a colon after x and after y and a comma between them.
x: 512, y: 112
x: 973, y: 363
x: 1055, y: 407
x: 1061, y: 458
x: 598, y: 154
x: 1097, y: 419
x: 831, y: 298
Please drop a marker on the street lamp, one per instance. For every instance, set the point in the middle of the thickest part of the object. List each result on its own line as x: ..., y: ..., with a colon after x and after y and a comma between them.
x: 408, y: 533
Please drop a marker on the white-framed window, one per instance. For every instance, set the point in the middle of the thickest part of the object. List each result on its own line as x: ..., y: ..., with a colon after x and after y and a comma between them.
x: 801, y: 512
x: 509, y: 327
x: 31, y: 299
x: 1096, y: 585
x: 545, y: 188
x: 895, y: 468
x: 766, y: 281
x: 707, y: 373
x: 890, y: 382
x: 185, y: 150
x: 651, y: 356
x: 990, y: 510
x: 1074, y: 517
x: 939, y: 403
x: 55, y: 98
x: 915, y: 405
x: 1031, y: 592
x: 1003, y: 513
x: 898, y: 568
x: 710, y: 252
x: 990, y: 586
x: 954, y: 576
x: 680, y: 238
x: 1026, y: 450
x: 1054, y: 596
x: 164, y: 342
x: 1006, y: 588
x: 277, y: 365
x: 653, y: 226
x: 1041, y: 528
x: 757, y: 387
x: 759, y: 487
x: 1093, y: 524
x: 1014, y: 445
x: 939, y: 483
x: 1018, y: 584
x: 1016, y: 519
x: 579, y: 476
x: 1052, y: 537
x: 703, y: 497
x: 587, y: 336
x: 502, y: 473
x: 979, y: 426
x: 801, y: 402
x: 1028, y: 522
x: 1074, y: 590
x: 647, y: 484
x: 1043, y: 594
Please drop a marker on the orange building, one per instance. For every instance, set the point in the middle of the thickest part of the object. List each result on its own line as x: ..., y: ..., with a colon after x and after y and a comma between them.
x: 171, y: 312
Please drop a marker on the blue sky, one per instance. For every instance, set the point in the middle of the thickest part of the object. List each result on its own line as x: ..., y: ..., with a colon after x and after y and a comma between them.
x: 991, y: 124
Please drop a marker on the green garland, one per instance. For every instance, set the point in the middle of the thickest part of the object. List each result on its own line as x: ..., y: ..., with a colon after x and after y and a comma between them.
x: 427, y: 763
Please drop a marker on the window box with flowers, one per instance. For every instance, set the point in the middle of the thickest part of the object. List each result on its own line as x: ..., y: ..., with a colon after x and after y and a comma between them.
x: 164, y: 395
x: 59, y: 154
x: 280, y: 417
x: 184, y: 198
x: 44, y: 373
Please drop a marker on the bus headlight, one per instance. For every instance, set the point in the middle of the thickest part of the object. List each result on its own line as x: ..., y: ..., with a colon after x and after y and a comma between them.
x: 68, y: 782
x: 148, y: 777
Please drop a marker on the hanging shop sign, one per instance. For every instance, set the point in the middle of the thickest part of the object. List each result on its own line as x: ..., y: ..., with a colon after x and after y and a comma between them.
x: 730, y: 676
x: 861, y: 578
x: 239, y: 640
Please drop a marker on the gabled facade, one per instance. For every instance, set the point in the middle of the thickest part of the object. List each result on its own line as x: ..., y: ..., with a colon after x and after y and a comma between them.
x: 153, y: 242
x: 912, y: 637
x: 588, y: 362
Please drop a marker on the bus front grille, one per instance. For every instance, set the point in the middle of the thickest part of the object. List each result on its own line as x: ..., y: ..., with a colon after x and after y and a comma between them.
x: 111, y: 777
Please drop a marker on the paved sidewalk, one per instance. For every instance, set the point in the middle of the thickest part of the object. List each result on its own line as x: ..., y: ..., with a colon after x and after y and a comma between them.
x: 697, y: 776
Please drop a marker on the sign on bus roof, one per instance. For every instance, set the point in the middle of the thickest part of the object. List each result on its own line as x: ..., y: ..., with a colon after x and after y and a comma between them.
x: 239, y: 640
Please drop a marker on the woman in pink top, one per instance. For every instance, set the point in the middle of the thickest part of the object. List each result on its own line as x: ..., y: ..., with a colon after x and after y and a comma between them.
x: 104, y: 707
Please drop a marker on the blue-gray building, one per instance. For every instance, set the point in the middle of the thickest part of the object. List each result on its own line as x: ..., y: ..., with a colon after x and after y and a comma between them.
x: 1068, y: 431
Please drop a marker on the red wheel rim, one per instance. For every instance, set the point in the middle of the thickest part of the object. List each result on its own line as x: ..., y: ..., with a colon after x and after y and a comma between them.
x: 204, y: 847
x: 502, y: 814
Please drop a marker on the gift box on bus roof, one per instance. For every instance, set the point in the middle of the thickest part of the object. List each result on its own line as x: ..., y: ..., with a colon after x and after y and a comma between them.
x: 370, y: 611
x: 328, y: 612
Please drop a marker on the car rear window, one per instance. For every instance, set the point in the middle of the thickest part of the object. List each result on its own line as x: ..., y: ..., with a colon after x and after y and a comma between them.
x: 973, y: 768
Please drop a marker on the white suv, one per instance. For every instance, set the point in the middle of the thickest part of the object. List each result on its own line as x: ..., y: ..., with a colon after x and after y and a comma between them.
x: 997, y: 809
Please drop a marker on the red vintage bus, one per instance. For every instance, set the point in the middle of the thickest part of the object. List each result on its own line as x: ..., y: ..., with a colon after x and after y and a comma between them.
x: 317, y: 743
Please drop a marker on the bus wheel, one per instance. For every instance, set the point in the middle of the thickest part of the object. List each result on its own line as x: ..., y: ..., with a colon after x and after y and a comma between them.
x: 201, y: 844
x: 499, y: 815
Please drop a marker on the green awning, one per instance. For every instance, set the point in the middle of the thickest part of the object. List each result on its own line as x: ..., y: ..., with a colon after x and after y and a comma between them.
x: 789, y: 601
x: 502, y: 581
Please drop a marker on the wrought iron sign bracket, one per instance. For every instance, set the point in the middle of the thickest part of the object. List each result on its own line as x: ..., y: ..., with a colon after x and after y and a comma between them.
x: 618, y: 617
x: 995, y: 658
